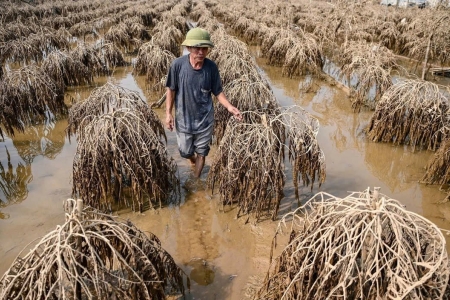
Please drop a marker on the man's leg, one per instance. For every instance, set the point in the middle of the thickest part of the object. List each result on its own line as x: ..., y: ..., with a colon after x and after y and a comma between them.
x: 201, y: 146
x: 193, y: 160
x: 199, y: 164
x: 186, y: 146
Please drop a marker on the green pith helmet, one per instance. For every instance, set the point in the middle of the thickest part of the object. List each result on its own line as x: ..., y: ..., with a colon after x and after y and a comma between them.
x: 197, y: 37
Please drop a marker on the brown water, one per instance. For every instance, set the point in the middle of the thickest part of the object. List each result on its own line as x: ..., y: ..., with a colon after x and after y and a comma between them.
x: 225, y: 258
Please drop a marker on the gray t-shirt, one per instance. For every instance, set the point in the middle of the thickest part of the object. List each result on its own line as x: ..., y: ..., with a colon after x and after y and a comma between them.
x: 194, y: 110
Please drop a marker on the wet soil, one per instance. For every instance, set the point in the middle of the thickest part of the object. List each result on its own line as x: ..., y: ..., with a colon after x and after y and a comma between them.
x: 224, y: 257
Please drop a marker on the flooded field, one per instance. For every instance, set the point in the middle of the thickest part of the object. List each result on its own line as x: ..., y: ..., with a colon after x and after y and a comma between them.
x: 224, y: 257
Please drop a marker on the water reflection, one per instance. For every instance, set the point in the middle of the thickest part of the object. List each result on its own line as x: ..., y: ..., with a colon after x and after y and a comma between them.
x: 397, y: 166
x: 14, y: 178
x: 46, y: 140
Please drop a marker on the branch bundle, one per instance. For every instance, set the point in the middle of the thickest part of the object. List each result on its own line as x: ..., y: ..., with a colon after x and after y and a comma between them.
x: 367, y: 66
x: 118, y: 153
x: 153, y: 61
x: 411, y: 112
x: 108, y: 98
x: 364, y: 246
x: 93, y: 256
x: 249, y: 164
x: 28, y: 95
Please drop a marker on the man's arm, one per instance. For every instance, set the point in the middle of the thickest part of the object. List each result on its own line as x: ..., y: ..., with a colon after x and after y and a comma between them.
x: 170, y: 97
x: 224, y: 101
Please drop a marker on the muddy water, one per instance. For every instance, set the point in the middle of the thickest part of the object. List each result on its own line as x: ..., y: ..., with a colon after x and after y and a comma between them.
x: 224, y: 257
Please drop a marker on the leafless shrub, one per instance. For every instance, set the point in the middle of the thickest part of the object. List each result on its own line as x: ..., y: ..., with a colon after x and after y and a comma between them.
x: 119, y: 153
x: 28, y: 95
x: 90, y: 57
x: 248, y: 166
x: 108, y: 98
x: 412, y: 112
x: 369, y: 66
x: 153, y: 61
x: 365, y: 245
x: 65, y: 70
x: 93, y: 255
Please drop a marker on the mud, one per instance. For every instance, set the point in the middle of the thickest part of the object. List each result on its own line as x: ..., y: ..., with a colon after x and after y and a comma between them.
x: 224, y: 257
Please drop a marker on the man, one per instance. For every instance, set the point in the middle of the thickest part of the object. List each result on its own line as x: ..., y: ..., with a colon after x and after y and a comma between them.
x: 191, y: 80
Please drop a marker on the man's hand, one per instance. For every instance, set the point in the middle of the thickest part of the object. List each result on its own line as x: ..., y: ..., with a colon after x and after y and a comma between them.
x: 169, y: 121
x: 236, y: 113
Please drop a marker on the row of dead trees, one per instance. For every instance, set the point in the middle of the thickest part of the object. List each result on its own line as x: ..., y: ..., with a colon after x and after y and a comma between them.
x: 407, y: 111
x: 121, y: 151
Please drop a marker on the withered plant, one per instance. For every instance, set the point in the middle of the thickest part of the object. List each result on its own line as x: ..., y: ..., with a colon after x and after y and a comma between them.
x: 93, y: 255
x: 29, y: 95
x: 106, y: 99
x: 168, y: 38
x: 225, y: 45
x: 91, y: 58
x: 84, y: 29
x: 272, y: 35
x: 411, y: 112
x: 33, y: 47
x: 153, y: 61
x: 118, y: 35
x: 438, y: 168
x: 112, y: 56
x: 247, y: 95
x: 277, y: 52
x: 65, y: 70
x: 120, y: 159
x: 304, y: 56
x: 367, y: 66
x: 305, y: 155
x: 136, y: 29
x: 363, y: 246
x: 248, y: 168
x: 233, y: 66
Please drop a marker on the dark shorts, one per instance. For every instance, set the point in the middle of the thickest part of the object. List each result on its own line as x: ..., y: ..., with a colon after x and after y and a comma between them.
x: 188, y: 144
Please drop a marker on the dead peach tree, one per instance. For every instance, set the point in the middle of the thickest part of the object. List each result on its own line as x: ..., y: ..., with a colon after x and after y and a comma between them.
x: 363, y: 246
x: 29, y: 95
x: 438, y: 168
x: 411, y: 112
x: 121, y: 157
x: 93, y: 255
x: 248, y: 168
x: 367, y: 69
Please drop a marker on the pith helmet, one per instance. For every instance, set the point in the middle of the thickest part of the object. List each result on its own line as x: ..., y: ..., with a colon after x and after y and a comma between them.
x: 198, y: 37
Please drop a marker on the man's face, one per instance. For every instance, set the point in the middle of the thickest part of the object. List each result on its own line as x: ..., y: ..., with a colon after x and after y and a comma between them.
x: 198, y: 53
